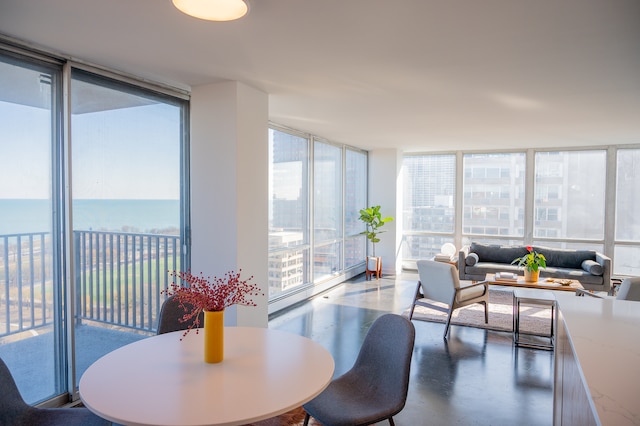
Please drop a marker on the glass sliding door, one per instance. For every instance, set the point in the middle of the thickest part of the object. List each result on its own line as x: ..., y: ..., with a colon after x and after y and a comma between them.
x: 127, y: 155
x: 31, y: 294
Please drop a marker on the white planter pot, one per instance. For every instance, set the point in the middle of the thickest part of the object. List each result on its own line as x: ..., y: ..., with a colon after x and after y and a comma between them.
x: 374, y: 267
x: 372, y: 263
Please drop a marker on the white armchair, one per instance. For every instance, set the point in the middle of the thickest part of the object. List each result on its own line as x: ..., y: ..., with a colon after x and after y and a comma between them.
x: 629, y: 290
x: 439, y: 282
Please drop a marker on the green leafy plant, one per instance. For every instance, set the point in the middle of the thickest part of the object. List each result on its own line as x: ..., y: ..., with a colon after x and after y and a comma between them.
x: 373, y: 219
x: 532, y: 261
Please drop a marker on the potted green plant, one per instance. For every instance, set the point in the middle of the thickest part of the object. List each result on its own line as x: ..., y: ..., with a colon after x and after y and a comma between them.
x: 373, y: 220
x: 532, y: 262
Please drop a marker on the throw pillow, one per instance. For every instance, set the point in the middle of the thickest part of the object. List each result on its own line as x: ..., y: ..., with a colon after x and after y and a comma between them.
x: 495, y: 253
x: 565, y: 258
x: 592, y: 267
x: 471, y: 259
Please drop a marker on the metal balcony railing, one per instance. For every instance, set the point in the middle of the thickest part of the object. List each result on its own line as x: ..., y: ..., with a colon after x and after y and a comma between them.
x: 118, y: 279
x: 24, y: 304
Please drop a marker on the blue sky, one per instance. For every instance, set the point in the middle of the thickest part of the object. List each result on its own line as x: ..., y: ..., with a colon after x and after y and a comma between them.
x: 125, y: 153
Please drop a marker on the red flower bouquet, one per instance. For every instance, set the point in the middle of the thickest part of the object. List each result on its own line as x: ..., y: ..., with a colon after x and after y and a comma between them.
x: 199, y: 293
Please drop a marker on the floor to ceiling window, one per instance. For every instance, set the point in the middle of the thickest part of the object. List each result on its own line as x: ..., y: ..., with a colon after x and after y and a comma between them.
x: 355, y: 199
x: 30, y: 291
x: 91, y: 220
x: 627, y: 229
x: 573, y: 198
x: 429, y: 197
x: 493, y: 201
x: 314, y: 230
x: 289, y: 236
x: 327, y: 210
x: 126, y: 145
x: 569, y: 202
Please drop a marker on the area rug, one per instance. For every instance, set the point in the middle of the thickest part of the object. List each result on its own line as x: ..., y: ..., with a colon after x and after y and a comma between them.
x: 533, y: 319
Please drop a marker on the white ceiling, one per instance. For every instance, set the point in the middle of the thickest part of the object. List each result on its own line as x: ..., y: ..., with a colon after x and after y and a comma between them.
x: 419, y: 75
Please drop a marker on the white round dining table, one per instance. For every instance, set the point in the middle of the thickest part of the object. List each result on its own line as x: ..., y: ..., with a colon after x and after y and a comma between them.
x: 163, y: 381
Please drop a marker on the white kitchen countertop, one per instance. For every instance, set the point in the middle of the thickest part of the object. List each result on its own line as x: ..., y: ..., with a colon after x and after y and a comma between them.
x: 605, y: 336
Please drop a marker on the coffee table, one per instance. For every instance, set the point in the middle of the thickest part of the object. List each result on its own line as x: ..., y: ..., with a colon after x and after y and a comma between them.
x: 543, y: 283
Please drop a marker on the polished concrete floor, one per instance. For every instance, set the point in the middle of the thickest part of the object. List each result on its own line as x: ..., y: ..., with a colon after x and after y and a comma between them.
x: 475, y: 377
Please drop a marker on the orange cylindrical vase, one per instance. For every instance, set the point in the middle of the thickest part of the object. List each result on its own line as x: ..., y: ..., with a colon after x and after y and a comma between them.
x: 531, y: 276
x: 213, y: 336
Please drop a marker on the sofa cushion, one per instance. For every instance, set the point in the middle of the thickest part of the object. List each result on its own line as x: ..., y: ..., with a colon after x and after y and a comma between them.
x: 468, y: 292
x: 479, y: 271
x: 471, y: 259
x: 592, y: 267
x: 563, y: 258
x: 495, y: 253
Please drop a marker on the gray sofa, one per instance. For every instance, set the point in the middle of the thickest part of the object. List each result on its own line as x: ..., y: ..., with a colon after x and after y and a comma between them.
x: 591, y: 268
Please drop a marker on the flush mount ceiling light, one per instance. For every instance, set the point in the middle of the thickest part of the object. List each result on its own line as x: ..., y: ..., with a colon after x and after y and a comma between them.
x: 213, y: 10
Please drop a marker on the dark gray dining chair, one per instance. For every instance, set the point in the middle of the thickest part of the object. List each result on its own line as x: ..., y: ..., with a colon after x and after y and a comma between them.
x: 375, y: 388
x: 170, y: 314
x: 15, y: 411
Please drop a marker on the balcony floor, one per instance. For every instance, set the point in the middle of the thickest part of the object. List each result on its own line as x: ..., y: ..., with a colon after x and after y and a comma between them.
x: 31, y: 360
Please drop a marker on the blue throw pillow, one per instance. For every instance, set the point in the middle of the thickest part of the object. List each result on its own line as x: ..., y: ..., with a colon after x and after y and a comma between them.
x: 592, y: 267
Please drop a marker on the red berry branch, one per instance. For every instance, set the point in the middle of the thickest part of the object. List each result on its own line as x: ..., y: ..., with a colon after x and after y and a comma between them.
x: 197, y: 293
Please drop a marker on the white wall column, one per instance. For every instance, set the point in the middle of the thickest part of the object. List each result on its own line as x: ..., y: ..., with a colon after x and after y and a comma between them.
x: 229, y: 189
x: 385, y: 189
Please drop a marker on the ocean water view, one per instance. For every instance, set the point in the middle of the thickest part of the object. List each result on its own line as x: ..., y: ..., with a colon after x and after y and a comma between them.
x: 34, y: 215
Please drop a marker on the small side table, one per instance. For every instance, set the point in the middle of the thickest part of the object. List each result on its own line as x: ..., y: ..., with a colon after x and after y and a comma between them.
x: 533, y: 298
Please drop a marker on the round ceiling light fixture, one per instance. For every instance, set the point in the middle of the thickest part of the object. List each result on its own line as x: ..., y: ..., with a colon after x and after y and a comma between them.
x: 213, y: 10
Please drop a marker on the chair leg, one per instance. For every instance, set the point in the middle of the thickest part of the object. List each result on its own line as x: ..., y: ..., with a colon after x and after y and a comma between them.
x: 446, y: 329
x: 415, y: 297
x: 306, y: 419
x: 452, y: 306
x: 391, y: 421
x: 486, y: 312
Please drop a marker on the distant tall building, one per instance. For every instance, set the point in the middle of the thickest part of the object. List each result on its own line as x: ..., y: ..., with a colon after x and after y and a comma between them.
x: 286, y: 269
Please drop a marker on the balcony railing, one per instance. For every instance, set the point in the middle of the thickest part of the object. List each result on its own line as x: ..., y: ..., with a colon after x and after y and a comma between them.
x: 23, y: 282
x: 118, y: 279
